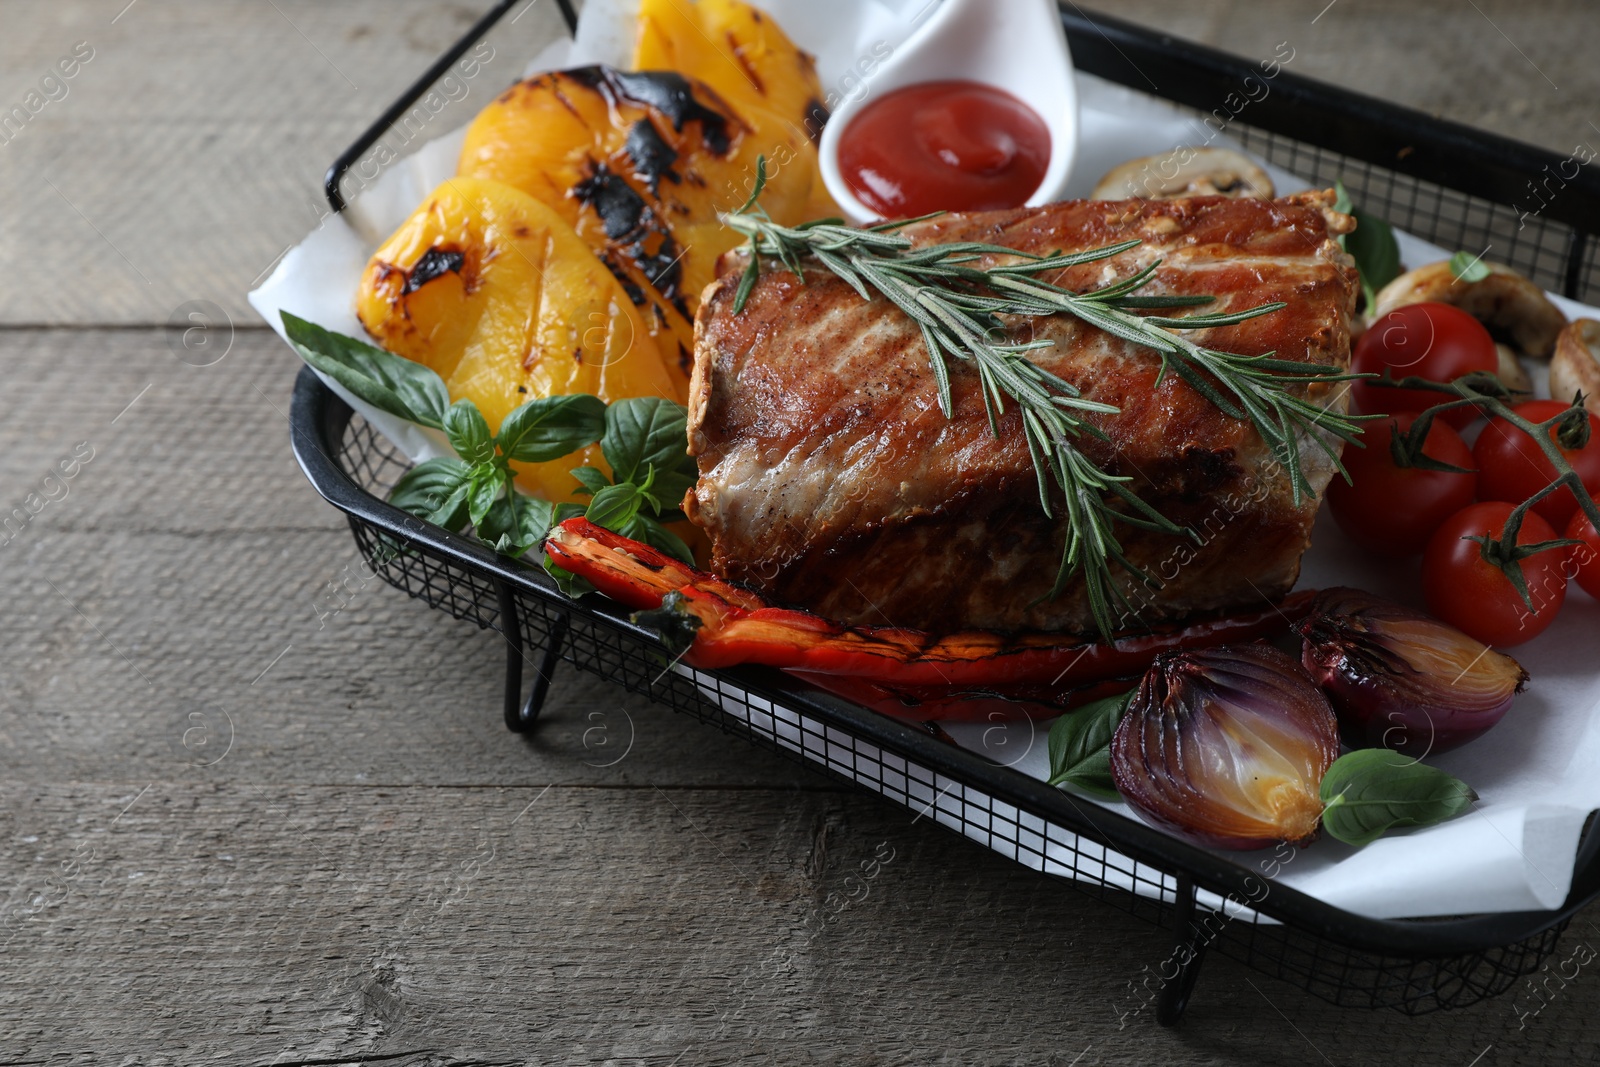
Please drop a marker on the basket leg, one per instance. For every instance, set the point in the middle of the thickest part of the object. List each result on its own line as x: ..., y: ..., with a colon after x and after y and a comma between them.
x: 521, y: 714
x: 1189, y: 954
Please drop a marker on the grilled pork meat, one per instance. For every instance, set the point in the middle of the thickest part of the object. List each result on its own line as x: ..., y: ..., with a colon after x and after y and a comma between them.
x: 830, y: 479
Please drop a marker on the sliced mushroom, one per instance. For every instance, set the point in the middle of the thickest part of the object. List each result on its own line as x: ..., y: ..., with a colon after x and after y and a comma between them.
x: 1515, y: 310
x: 1512, y: 374
x: 1186, y: 172
x: 1575, y: 368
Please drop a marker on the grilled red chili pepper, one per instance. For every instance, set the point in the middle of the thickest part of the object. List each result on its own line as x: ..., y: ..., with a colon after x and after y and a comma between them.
x: 904, y: 672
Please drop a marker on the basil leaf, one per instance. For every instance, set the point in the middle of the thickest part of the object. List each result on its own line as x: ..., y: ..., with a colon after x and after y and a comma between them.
x: 669, y: 487
x: 498, y: 525
x: 1373, y: 790
x: 550, y: 427
x: 1376, y: 253
x: 452, y: 510
x: 1469, y: 269
x: 615, y: 506
x: 534, y: 519
x: 516, y: 525
x: 569, y: 583
x: 425, y: 487
x: 468, y: 432
x: 486, y: 486
x: 384, y: 380
x: 645, y: 432
x: 1080, y: 746
x: 664, y: 491
x: 645, y: 491
x: 564, y: 512
x: 592, y: 479
x: 644, y: 528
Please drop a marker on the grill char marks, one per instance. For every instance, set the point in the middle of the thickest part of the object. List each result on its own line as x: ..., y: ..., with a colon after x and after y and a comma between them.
x: 434, y: 262
x: 636, y: 229
x: 652, y: 157
x: 829, y: 478
x: 816, y: 118
x: 668, y: 92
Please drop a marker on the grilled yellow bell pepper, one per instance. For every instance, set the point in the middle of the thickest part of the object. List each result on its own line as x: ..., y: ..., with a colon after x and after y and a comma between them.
x: 734, y: 48
x: 493, y: 291
x: 570, y: 252
x: 640, y: 165
x: 746, y: 57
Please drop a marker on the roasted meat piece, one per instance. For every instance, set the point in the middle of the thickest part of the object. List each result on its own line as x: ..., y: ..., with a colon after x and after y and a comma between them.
x: 830, y: 479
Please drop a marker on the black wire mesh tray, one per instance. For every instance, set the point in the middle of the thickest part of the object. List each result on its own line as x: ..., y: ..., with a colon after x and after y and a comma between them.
x: 1449, y: 184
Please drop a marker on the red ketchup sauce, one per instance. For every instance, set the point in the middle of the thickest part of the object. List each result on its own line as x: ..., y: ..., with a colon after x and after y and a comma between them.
x: 944, y: 146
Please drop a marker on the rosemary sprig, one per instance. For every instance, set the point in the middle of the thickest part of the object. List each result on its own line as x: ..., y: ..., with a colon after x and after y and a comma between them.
x: 957, y: 305
x: 1253, y: 388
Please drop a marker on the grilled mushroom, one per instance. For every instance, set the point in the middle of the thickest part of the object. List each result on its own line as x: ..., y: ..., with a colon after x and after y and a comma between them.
x: 1515, y: 310
x: 1575, y: 367
x: 1186, y: 172
x: 1512, y: 374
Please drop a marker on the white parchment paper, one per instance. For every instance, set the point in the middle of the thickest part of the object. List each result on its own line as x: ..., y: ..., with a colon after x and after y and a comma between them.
x: 1537, y: 773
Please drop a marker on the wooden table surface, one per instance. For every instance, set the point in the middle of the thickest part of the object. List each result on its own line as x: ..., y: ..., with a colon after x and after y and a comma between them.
x: 237, y: 829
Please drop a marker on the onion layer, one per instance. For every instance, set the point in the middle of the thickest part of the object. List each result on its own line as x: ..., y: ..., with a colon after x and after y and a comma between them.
x: 1227, y: 746
x: 1404, y: 680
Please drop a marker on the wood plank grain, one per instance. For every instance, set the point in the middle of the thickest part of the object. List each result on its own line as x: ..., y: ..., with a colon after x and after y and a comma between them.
x: 189, y: 152
x: 288, y: 924
x: 191, y: 583
x: 373, y: 870
x: 305, y: 802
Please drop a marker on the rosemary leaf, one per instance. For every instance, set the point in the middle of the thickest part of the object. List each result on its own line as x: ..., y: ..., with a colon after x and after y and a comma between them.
x: 958, y: 300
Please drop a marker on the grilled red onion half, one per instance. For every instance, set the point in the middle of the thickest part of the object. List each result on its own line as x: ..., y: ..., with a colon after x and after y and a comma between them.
x: 1226, y: 746
x: 1404, y: 680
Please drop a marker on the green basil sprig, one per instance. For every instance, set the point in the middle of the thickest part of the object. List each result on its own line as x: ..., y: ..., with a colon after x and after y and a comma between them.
x: 1373, y: 790
x: 645, y: 444
x: 644, y: 440
x: 1080, y: 746
x: 382, y: 379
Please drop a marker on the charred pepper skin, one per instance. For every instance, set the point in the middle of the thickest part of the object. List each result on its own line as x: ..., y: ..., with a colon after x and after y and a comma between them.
x: 909, y: 673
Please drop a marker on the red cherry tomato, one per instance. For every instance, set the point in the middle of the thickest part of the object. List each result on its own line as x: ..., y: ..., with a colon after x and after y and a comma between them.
x: 1476, y: 597
x: 1584, y: 564
x: 1391, y: 510
x: 1433, y: 341
x: 1512, y: 467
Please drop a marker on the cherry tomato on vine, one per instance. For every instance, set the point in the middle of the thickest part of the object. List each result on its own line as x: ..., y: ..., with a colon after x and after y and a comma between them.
x: 1391, y: 510
x: 1584, y: 563
x: 1512, y: 467
x: 1474, y: 595
x: 1433, y: 341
